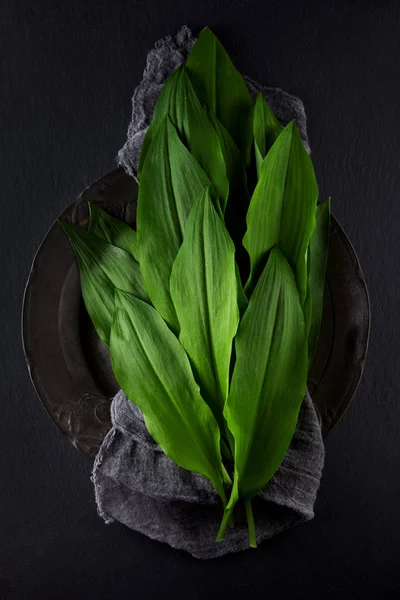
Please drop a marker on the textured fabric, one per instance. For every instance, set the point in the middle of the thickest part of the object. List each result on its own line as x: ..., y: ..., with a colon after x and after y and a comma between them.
x: 135, y: 482
x: 138, y: 485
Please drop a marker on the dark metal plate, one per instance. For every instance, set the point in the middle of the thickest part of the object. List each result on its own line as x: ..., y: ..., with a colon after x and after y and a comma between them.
x: 70, y: 366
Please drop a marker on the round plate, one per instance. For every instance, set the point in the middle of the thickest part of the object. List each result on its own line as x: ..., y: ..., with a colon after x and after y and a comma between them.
x: 70, y: 366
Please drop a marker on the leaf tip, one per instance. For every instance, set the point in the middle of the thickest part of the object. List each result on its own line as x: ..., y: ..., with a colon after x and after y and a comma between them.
x: 118, y: 294
x: 260, y: 100
x: 206, y: 31
x: 92, y: 209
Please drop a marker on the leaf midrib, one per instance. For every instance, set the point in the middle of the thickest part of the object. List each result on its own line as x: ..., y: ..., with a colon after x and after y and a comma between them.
x: 194, y: 437
x: 209, y: 328
x: 264, y: 375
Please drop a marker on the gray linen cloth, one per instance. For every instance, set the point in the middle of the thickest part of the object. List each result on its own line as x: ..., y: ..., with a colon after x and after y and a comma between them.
x: 135, y: 482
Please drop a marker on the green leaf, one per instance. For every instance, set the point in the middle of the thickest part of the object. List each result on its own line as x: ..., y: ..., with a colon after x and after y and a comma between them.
x: 266, y: 128
x: 103, y: 268
x: 235, y: 167
x: 282, y: 208
x: 112, y: 230
x: 171, y: 182
x: 218, y: 83
x: 316, y: 261
x: 204, y: 292
x: 242, y: 298
x: 238, y: 201
x: 269, y: 380
x: 161, y: 110
x: 180, y: 102
x: 153, y: 370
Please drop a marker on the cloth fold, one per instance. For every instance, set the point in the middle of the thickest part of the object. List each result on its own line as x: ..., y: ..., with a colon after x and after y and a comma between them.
x: 138, y: 485
x: 135, y: 482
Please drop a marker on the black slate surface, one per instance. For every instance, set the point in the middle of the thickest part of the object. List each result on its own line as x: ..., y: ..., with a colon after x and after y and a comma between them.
x: 68, y: 70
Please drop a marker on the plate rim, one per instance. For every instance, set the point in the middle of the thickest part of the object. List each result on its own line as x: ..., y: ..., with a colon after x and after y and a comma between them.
x: 26, y: 316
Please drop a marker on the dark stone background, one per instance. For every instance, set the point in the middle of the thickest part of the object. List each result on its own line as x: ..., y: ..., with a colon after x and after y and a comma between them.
x: 68, y: 69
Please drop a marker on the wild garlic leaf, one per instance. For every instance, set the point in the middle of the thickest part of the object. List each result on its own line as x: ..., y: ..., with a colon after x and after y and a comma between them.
x: 242, y: 298
x: 235, y: 166
x: 171, y: 182
x: 282, y: 208
x: 153, y: 370
x: 316, y: 261
x: 218, y: 83
x: 266, y: 128
x: 103, y: 267
x: 204, y: 292
x: 161, y: 110
x: 238, y: 201
x: 194, y: 129
x: 112, y: 230
x: 268, y: 381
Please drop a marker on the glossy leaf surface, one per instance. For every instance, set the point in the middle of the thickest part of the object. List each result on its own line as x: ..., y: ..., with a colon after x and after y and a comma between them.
x: 235, y: 166
x: 204, y: 292
x: 218, y: 83
x: 112, y: 230
x: 316, y: 261
x: 266, y: 128
x: 103, y: 267
x: 282, y: 208
x: 269, y: 379
x: 153, y: 370
x: 165, y: 201
x: 180, y: 102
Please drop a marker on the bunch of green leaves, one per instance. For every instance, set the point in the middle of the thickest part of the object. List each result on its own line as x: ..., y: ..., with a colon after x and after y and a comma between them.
x: 215, y: 356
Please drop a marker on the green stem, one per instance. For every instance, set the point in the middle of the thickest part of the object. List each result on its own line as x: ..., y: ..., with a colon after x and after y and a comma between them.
x: 225, y: 522
x: 226, y: 477
x: 222, y: 495
x: 250, y: 524
x: 227, y: 441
